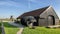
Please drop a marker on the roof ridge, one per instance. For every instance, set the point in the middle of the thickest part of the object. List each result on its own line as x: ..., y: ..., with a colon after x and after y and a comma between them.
x: 35, y: 12
x: 40, y: 8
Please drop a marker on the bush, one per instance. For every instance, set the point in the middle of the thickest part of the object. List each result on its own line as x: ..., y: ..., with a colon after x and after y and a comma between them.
x: 16, y: 21
x: 0, y: 28
x: 0, y: 24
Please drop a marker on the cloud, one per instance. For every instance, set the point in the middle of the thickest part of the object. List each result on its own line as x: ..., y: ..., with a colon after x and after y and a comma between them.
x: 11, y: 3
x: 35, y: 1
x: 32, y: 0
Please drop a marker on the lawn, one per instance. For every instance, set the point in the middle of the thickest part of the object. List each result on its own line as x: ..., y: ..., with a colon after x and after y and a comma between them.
x: 9, y: 29
x: 41, y: 30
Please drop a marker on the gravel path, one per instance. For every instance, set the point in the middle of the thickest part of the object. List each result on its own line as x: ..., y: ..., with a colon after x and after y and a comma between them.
x: 20, y: 31
x: 18, y: 25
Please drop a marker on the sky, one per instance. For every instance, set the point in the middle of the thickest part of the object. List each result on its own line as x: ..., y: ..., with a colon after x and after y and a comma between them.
x: 18, y: 7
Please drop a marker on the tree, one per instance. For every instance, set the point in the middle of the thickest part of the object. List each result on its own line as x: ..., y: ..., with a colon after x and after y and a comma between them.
x: 11, y: 18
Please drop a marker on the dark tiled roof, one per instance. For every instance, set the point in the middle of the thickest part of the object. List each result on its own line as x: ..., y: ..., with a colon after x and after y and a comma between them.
x: 34, y: 12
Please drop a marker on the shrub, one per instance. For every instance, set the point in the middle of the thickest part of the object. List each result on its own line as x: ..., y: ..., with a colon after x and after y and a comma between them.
x: 0, y: 28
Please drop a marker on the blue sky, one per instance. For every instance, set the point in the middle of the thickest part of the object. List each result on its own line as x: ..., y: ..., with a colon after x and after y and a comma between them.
x: 18, y: 7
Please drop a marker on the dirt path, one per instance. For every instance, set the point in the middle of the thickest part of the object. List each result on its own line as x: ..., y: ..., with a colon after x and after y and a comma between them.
x: 18, y: 25
x: 20, y: 31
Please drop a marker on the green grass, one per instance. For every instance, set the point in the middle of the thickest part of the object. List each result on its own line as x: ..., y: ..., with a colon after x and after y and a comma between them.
x: 9, y: 29
x: 41, y: 30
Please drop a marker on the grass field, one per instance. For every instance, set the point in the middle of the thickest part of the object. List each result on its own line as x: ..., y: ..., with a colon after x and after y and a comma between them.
x: 9, y: 29
x: 41, y: 30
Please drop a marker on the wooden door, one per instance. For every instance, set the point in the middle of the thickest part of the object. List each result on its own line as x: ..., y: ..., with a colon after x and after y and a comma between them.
x: 51, y: 20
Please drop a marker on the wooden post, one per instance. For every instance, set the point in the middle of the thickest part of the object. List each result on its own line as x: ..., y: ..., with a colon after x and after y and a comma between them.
x: 2, y: 26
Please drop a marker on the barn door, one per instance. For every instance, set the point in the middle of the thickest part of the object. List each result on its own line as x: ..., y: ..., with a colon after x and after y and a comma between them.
x: 51, y: 20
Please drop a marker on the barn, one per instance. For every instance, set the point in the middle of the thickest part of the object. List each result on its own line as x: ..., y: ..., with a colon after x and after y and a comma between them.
x: 45, y: 16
